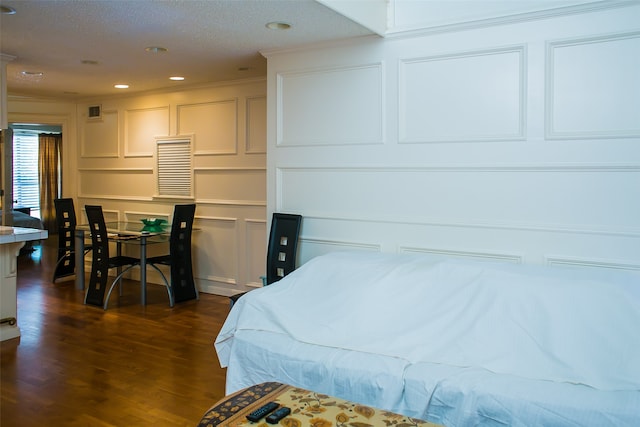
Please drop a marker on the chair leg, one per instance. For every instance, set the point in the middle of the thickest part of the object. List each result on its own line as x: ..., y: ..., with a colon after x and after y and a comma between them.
x: 166, y: 284
x: 115, y: 282
x: 64, y: 257
x: 67, y: 255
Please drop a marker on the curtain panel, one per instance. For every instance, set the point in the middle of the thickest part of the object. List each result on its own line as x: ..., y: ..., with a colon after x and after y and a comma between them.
x: 49, y: 168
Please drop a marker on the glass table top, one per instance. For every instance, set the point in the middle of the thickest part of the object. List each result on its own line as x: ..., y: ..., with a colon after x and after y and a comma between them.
x: 131, y: 228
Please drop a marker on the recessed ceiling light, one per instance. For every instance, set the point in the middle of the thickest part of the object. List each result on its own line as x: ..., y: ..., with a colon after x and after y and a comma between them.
x: 278, y: 26
x: 7, y: 10
x: 32, y: 73
x: 121, y: 86
x: 156, y: 49
x: 176, y: 78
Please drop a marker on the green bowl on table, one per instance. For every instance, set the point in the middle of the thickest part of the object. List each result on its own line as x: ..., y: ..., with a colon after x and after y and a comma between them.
x: 153, y: 224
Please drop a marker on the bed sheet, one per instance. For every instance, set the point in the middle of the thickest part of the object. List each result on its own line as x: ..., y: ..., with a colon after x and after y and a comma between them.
x: 442, y: 394
x: 456, y: 343
x: 261, y: 356
x: 21, y: 219
x: 464, y: 397
x: 547, y: 324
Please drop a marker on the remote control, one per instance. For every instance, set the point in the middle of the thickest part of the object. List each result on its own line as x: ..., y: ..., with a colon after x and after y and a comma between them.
x: 262, y: 411
x: 278, y: 415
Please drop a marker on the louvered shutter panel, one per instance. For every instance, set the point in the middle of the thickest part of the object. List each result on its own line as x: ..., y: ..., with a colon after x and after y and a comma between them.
x: 175, y: 173
x: 26, y: 182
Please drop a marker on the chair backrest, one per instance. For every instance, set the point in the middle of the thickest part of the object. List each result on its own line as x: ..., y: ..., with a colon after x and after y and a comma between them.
x: 100, y: 258
x: 182, y: 284
x: 283, y: 246
x: 66, y: 226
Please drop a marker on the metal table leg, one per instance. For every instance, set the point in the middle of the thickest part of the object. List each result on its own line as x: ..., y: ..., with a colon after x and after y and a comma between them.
x: 79, y: 256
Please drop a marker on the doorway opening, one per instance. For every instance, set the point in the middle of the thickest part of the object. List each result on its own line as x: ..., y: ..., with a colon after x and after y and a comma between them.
x: 37, y: 168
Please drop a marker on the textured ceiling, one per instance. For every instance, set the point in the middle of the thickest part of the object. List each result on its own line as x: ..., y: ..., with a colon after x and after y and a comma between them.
x: 207, y: 41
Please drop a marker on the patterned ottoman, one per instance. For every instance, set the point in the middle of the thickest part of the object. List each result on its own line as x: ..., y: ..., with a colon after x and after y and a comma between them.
x: 308, y: 409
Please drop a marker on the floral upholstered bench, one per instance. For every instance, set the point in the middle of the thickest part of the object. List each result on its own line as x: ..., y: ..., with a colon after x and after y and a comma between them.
x: 308, y: 408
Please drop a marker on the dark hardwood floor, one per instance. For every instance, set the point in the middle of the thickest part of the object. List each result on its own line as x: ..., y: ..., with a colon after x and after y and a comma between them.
x: 77, y: 365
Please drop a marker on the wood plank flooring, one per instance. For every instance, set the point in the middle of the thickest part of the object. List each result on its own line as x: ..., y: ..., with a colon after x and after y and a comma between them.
x: 77, y: 365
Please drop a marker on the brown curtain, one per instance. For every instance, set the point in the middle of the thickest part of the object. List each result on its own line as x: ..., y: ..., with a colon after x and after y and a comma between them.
x: 49, y: 168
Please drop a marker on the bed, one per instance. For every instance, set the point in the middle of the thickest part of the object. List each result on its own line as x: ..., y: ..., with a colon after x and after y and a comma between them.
x: 450, y: 341
x: 24, y: 220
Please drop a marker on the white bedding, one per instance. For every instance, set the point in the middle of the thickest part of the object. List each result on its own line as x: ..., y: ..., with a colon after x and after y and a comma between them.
x: 365, y: 327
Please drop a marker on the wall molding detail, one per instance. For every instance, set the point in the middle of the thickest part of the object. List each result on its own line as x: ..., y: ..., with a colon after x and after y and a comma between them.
x: 297, y: 176
x: 506, y: 226
x: 103, y: 133
x: 229, y: 168
x: 480, y: 167
x: 223, y: 202
x: 364, y: 114
x: 220, y: 129
x: 402, y: 33
x: 612, y: 84
x: 255, y: 129
x: 117, y: 170
x: 141, y: 122
x: 411, y: 86
x: 116, y: 197
x: 590, y: 263
x: 476, y: 255
x: 337, y: 245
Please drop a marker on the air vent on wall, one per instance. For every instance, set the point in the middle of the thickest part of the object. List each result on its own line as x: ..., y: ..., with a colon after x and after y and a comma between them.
x: 95, y: 112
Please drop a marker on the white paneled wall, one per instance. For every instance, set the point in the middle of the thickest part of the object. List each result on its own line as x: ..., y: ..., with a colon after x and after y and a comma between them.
x: 603, y: 99
x: 359, y: 90
x: 227, y: 126
x: 517, y: 142
x: 139, y: 124
x: 439, y: 93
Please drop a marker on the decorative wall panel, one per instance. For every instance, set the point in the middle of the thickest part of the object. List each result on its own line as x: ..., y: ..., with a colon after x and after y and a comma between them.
x: 230, y: 185
x: 256, y: 125
x: 310, y: 248
x: 562, y: 198
x: 475, y: 96
x: 591, y: 263
x: 473, y: 255
x: 100, y: 137
x: 124, y: 184
x: 140, y: 128
x: 593, y: 87
x: 256, y: 237
x: 215, y: 125
x: 331, y: 106
x: 217, y: 246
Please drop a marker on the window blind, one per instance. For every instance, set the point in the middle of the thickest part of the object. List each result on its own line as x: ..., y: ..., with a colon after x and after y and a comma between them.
x: 175, y: 173
x: 26, y: 187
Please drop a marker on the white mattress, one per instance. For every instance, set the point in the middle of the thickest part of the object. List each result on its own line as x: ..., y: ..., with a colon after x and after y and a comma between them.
x: 457, y: 342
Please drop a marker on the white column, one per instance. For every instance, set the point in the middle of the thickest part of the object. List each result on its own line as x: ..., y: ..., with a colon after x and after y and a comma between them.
x: 4, y: 60
x: 8, y: 294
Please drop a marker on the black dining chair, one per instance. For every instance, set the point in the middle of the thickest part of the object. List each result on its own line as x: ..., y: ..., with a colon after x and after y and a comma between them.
x: 66, y: 226
x: 283, y: 246
x: 281, y: 250
x: 178, y: 259
x: 102, y: 262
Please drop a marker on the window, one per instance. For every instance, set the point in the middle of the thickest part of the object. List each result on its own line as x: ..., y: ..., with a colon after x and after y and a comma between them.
x: 26, y: 187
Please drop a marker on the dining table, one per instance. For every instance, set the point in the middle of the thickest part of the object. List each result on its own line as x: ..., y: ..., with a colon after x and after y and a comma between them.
x: 129, y: 232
